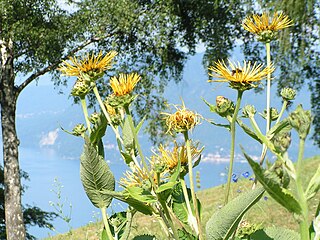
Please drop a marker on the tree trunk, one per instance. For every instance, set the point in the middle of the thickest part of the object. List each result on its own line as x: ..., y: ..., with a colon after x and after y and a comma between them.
x: 15, y: 228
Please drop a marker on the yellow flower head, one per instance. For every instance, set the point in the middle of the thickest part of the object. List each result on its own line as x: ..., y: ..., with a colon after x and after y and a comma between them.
x: 239, y: 77
x: 264, y: 26
x: 124, y: 84
x: 171, y: 157
x: 182, y: 120
x: 90, y: 64
x: 134, y: 178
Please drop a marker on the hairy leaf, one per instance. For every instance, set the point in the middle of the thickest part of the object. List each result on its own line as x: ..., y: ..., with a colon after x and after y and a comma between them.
x: 314, y: 185
x: 275, y: 233
x: 96, y: 176
x: 248, y: 130
x: 273, y: 187
x: 225, y: 221
x: 98, y: 130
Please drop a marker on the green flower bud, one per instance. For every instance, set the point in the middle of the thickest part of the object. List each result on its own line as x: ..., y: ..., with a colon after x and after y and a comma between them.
x: 224, y: 106
x: 249, y: 111
x: 81, y: 88
x: 79, y: 129
x: 282, y: 141
x: 301, y: 120
x: 267, y: 36
x: 288, y: 94
x: 120, y: 101
x: 273, y: 114
x: 92, y: 76
x: 94, y: 117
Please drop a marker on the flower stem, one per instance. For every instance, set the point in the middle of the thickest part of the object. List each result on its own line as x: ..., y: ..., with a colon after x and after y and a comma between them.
x: 105, y: 112
x: 264, y: 147
x: 85, y: 112
x: 136, y: 141
x: 304, y: 226
x: 268, y: 87
x: 106, y: 223
x: 190, y: 172
x: 284, y: 106
x: 194, y: 225
x: 165, y: 209
x: 232, y: 147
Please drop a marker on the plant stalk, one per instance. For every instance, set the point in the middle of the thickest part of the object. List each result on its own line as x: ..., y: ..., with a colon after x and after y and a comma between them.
x: 105, y: 112
x: 232, y: 147
x: 304, y: 226
x: 190, y: 172
x: 268, y: 124
x: 284, y: 106
x: 106, y: 223
x: 85, y: 112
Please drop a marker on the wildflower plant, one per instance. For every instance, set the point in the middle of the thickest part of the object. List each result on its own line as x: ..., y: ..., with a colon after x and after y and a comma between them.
x: 157, y: 185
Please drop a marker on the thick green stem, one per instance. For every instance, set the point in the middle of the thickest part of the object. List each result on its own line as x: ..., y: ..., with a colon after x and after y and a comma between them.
x: 304, y: 226
x: 85, y: 112
x: 165, y: 209
x: 232, y: 147
x: 106, y: 223
x: 135, y: 137
x: 264, y: 147
x: 268, y: 87
x: 105, y: 112
x: 187, y: 200
x: 190, y: 172
x: 284, y: 106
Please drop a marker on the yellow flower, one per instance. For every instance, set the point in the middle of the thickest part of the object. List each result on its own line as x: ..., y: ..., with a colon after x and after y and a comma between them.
x: 124, y: 84
x: 90, y: 65
x: 171, y: 157
x: 182, y: 120
x: 137, y: 177
x: 239, y: 77
x: 266, y: 27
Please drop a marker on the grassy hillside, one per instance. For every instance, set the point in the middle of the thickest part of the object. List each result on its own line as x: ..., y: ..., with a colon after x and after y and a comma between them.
x: 267, y: 212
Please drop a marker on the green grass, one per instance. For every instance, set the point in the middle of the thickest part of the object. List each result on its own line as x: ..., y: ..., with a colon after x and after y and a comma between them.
x: 266, y: 212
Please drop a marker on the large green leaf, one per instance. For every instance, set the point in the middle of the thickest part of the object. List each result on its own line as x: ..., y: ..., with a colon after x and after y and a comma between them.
x: 275, y: 233
x: 124, y: 196
x: 99, y: 129
x: 225, y: 221
x: 314, y: 185
x: 141, y: 194
x: 127, y: 136
x: 273, y: 187
x: 248, y: 130
x: 96, y: 176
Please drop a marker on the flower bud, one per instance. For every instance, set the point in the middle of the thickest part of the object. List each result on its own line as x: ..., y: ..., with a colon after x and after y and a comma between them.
x: 80, y: 88
x: 79, y: 129
x: 273, y: 114
x: 94, y: 117
x: 267, y: 36
x: 224, y: 106
x: 120, y: 101
x: 288, y: 94
x: 300, y: 120
x: 249, y: 111
x: 282, y: 141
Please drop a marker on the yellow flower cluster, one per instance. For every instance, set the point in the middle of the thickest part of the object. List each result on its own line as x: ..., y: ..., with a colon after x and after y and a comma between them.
x: 237, y: 75
x: 89, y: 64
x: 182, y: 120
x: 124, y: 84
x: 179, y: 152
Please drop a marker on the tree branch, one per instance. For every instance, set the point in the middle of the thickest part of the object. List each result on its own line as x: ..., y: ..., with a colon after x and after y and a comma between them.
x: 56, y: 64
